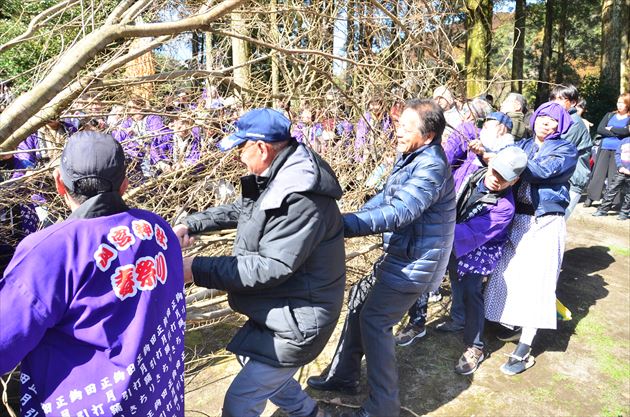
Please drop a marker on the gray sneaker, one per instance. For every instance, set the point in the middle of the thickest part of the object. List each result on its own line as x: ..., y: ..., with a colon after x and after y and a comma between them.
x: 409, y: 334
x: 469, y: 361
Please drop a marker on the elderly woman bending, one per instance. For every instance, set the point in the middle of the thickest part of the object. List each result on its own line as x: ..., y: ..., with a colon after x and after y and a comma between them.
x: 522, y: 290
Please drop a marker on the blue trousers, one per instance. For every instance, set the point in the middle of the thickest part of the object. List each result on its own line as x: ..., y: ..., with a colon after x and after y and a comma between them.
x: 258, y: 382
x: 471, y: 286
x: 418, y: 311
x: 368, y: 331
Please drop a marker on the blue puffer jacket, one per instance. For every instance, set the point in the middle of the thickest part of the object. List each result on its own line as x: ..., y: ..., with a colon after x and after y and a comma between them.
x: 548, y: 171
x: 416, y: 214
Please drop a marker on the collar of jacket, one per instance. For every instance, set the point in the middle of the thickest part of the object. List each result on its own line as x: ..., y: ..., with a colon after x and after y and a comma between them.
x: 296, y: 169
x: 292, y: 171
x: 104, y: 204
x: 406, y: 158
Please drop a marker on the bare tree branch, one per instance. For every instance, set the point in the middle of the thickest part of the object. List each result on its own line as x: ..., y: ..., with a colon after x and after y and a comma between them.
x: 39, y: 21
x: 28, y: 104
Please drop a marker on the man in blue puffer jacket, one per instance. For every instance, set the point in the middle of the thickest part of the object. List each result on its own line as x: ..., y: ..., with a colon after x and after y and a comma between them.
x: 416, y: 214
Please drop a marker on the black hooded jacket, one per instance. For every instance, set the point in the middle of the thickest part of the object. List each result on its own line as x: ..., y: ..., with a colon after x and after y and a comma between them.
x: 287, y: 269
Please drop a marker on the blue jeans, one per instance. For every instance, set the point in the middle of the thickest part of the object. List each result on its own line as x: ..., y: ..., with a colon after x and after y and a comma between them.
x: 418, y: 311
x: 472, y: 295
x: 258, y: 382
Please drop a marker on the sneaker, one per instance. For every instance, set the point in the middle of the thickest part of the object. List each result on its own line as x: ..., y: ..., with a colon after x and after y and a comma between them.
x: 588, y: 202
x: 600, y: 213
x: 516, y: 364
x: 623, y: 216
x: 449, y: 327
x: 509, y: 335
x: 407, y: 335
x: 469, y: 361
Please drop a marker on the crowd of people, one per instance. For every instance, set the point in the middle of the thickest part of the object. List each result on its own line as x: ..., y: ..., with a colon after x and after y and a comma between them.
x: 472, y: 191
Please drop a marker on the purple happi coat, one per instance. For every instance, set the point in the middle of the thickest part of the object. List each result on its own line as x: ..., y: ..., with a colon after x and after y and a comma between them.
x: 456, y: 145
x: 482, y: 231
x: 151, y: 129
x: 345, y: 130
x: 172, y: 148
x: 364, y: 126
x: 93, y: 308
x: 36, y: 141
x: 304, y: 133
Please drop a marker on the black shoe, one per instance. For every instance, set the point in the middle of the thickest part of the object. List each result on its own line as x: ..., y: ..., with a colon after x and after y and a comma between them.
x: 600, y: 213
x: 588, y: 202
x: 449, y: 327
x: 358, y: 413
x: 509, y: 335
x: 322, y: 383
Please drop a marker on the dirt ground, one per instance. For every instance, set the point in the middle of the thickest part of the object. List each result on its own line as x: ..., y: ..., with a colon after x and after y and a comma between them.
x: 582, y: 369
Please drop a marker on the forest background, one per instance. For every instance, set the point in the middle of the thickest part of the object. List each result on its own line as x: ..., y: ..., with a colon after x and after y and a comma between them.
x: 299, y: 50
x: 60, y: 57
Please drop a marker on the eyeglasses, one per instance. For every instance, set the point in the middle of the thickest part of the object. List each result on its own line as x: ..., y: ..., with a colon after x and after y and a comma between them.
x: 245, y: 145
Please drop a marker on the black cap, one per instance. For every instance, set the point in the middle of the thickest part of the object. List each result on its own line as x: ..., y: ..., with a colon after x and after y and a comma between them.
x: 92, y: 155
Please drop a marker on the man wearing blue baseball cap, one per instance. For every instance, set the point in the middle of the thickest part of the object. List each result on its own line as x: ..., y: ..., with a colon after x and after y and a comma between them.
x: 287, y: 269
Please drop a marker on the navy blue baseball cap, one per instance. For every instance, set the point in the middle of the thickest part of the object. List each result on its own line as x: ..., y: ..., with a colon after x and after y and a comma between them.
x: 502, y: 118
x: 91, y: 154
x: 265, y: 124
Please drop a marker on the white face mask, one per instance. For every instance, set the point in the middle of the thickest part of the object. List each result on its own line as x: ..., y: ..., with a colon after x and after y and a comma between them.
x: 494, y: 143
x: 489, y: 139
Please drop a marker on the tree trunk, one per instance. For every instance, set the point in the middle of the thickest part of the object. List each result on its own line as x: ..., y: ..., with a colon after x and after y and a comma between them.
x: 544, y: 68
x: 478, y: 45
x: 625, y: 49
x: 240, y: 51
x: 610, y: 67
x: 520, y: 16
x: 562, y: 30
x: 275, y: 35
x: 197, y: 50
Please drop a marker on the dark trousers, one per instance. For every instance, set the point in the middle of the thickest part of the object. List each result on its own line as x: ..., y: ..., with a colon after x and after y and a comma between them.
x: 472, y: 290
x: 620, y: 183
x: 418, y: 311
x: 605, y: 167
x: 368, y: 331
x: 258, y: 382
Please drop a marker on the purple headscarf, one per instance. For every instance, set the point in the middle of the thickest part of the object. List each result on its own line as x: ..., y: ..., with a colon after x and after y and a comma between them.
x: 556, y: 112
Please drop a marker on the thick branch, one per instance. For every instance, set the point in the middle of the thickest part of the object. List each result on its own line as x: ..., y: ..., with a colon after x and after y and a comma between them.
x: 116, y: 14
x: 28, y: 104
x: 68, y: 94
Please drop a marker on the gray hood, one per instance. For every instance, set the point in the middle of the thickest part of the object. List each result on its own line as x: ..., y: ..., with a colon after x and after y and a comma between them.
x: 302, y: 171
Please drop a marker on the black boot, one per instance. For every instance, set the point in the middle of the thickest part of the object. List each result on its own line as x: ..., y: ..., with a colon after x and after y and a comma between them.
x: 324, y: 383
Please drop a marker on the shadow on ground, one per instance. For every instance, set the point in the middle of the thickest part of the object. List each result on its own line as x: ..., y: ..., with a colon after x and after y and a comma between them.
x: 580, y: 287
